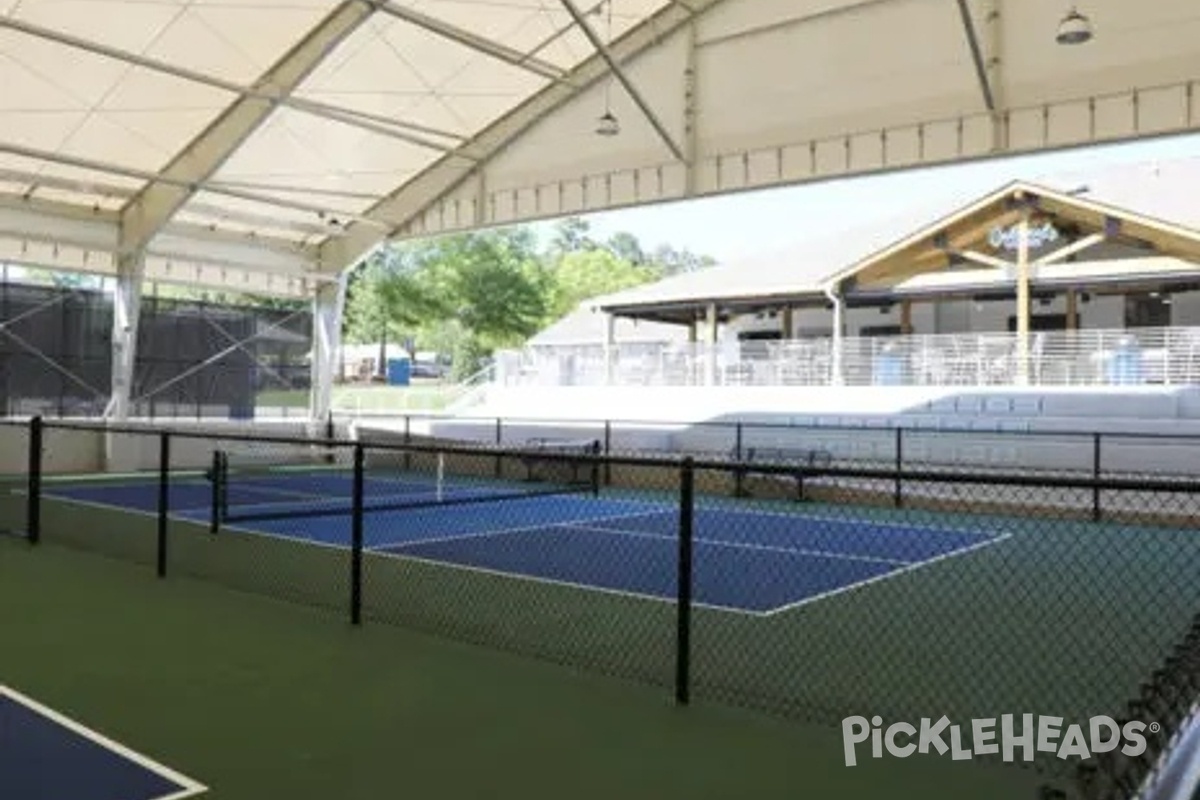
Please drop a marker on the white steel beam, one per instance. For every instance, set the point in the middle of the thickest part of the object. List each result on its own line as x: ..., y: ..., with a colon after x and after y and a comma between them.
x: 474, y: 41
x: 993, y: 39
x: 977, y: 55
x: 146, y: 214
x: 328, y: 305
x: 186, y: 186
x: 41, y: 233
x: 615, y: 67
x: 399, y: 129
x: 127, y: 307
x: 407, y: 202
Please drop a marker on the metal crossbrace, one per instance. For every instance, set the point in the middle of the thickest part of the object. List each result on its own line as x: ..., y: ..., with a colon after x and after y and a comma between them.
x: 257, y: 359
x: 217, y: 357
x: 5, y: 328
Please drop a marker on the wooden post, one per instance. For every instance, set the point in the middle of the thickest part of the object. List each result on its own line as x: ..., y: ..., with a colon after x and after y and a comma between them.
x: 906, y: 326
x: 1023, y: 299
x: 1072, y: 310
x: 785, y: 325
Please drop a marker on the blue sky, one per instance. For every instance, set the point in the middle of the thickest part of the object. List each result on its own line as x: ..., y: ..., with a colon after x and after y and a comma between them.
x: 743, y: 225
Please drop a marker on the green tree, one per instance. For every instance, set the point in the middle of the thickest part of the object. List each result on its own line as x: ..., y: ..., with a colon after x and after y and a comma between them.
x: 469, y: 356
x: 389, y: 297
x: 587, y: 274
x: 627, y: 247
x: 571, y: 235
x: 494, y: 283
x: 670, y: 261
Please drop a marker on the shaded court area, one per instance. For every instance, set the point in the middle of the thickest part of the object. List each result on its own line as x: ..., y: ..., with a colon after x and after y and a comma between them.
x: 265, y: 699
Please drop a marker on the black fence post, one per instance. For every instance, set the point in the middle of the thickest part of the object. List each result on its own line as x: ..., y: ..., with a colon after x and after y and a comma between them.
x: 33, y: 510
x: 739, y: 475
x: 499, y: 443
x: 898, y: 492
x: 216, y: 477
x: 407, y: 440
x: 683, y: 628
x: 356, y: 538
x: 594, y: 475
x: 607, y: 452
x: 1096, y: 472
x: 164, y: 498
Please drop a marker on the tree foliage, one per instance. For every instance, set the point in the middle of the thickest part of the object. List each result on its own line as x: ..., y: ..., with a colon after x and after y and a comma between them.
x: 466, y: 295
x: 586, y: 274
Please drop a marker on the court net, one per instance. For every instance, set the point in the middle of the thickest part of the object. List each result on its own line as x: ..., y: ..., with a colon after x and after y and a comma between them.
x: 306, y: 480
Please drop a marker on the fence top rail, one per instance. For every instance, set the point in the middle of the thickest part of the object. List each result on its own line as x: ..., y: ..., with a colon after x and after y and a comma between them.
x: 727, y: 465
x: 765, y: 425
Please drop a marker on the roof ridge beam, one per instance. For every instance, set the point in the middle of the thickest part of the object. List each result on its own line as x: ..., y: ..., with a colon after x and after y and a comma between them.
x: 154, y: 206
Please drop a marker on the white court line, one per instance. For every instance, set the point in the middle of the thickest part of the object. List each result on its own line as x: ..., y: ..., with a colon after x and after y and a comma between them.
x: 897, y: 522
x: 188, y: 787
x: 743, y: 545
x: 202, y: 522
x: 962, y: 551
x: 374, y: 550
x: 589, y: 587
x: 540, y: 526
x: 400, y: 556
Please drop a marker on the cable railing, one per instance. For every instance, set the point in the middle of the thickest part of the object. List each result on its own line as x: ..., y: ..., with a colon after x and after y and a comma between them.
x: 1102, y: 357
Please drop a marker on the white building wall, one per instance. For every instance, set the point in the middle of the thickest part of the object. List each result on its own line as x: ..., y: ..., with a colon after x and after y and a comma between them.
x: 1185, y: 308
x: 963, y: 315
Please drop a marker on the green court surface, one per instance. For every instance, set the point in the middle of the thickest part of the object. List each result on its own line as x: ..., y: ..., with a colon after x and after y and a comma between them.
x: 258, y: 698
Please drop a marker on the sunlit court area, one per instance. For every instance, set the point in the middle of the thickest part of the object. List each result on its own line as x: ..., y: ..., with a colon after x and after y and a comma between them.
x: 705, y: 399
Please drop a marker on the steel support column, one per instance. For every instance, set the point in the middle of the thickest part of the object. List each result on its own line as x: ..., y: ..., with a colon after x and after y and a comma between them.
x: 328, y: 304
x: 127, y: 307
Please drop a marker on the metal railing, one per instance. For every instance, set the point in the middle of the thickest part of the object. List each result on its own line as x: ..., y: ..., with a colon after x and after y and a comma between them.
x: 1165, y: 356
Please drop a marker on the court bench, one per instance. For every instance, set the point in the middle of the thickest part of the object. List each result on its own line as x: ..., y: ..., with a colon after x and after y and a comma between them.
x: 809, y: 461
x: 547, y: 458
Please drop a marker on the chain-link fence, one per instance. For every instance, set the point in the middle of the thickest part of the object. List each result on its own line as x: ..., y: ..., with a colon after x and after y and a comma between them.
x: 194, y: 359
x: 791, y: 584
x: 980, y: 446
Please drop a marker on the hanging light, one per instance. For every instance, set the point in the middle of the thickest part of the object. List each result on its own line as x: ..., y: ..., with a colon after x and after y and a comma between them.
x: 1075, y: 28
x: 608, y: 124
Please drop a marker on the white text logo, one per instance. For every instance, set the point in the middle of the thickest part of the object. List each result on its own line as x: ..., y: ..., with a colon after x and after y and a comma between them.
x: 1014, y: 735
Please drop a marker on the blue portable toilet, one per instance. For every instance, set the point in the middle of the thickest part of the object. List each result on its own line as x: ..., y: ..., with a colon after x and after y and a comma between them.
x: 399, y: 372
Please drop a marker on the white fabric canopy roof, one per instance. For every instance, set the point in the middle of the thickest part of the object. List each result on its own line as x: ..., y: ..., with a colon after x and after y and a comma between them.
x: 266, y: 145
